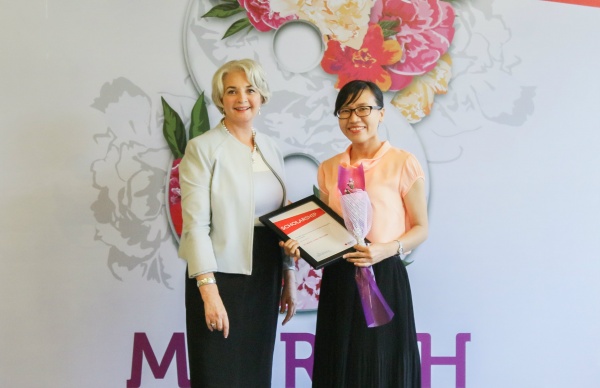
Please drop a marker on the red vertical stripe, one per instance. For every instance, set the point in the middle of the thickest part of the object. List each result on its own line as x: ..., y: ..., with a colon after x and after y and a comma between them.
x: 589, y: 3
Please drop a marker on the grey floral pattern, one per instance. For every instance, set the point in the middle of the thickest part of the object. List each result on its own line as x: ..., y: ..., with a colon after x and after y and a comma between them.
x: 130, y: 179
x: 483, y: 90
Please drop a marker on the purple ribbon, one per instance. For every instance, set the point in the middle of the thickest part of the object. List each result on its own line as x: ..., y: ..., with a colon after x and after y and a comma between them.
x: 377, y: 311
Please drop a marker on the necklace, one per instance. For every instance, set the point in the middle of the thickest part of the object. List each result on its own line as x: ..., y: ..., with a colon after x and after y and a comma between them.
x: 253, y: 138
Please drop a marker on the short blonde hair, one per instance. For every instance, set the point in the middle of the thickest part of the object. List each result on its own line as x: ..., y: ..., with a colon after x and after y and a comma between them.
x: 254, y: 72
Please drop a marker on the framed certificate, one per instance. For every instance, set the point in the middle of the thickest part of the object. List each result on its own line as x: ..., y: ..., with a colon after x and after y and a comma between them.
x: 320, y: 231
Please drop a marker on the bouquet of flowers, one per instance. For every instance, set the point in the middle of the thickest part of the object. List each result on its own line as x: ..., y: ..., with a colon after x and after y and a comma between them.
x: 358, y: 216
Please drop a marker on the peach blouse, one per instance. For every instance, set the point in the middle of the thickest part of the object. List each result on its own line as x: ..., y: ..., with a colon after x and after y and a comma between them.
x: 388, y: 177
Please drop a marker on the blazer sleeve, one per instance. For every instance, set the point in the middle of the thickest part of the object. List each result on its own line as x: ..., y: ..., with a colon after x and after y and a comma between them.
x: 195, y: 246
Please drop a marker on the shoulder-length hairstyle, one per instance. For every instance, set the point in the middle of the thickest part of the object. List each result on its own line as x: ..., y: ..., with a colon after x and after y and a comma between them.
x: 254, y: 72
x: 352, y: 91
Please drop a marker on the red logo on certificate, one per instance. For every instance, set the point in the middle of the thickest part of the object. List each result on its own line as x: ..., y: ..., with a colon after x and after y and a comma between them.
x: 288, y: 225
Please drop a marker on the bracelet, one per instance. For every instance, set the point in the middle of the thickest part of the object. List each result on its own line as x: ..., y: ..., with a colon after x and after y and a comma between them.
x: 400, y: 247
x: 205, y: 281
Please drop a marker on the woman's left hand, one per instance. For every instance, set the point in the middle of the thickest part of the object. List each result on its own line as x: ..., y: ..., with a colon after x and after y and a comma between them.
x: 367, y: 255
x: 291, y: 248
x: 288, y: 296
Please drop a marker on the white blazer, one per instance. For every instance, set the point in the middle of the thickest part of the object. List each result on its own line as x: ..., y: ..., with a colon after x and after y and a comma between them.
x: 217, y: 196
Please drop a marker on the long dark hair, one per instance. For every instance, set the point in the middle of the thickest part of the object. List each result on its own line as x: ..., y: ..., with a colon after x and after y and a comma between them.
x: 352, y: 91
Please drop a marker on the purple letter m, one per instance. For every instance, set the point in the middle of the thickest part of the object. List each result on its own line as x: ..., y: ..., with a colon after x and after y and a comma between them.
x: 141, y: 347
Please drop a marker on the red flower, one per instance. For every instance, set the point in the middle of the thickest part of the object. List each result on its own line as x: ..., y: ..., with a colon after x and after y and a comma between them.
x: 367, y: 63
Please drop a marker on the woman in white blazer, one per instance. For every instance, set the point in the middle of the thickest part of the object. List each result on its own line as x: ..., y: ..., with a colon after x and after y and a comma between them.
x: 230, y: 176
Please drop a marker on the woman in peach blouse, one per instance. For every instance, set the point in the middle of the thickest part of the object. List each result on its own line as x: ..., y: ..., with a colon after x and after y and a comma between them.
x: 348, y: 353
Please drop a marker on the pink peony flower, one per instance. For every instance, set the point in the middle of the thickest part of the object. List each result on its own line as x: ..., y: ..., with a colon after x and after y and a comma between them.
x: 425, y: 31
x: 261, y: 16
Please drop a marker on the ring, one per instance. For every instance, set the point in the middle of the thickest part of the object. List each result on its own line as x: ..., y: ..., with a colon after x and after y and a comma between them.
x: 212, y: 324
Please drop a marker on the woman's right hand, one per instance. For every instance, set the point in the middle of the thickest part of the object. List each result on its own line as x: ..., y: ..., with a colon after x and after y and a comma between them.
x: 214, y: 310
x: 291, y: 248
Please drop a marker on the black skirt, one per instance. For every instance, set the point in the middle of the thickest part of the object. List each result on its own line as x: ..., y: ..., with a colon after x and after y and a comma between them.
x: 245, y: 358
x: 350, y: 354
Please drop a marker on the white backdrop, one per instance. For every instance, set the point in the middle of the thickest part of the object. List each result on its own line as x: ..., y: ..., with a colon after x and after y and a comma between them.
x: 88, y: 258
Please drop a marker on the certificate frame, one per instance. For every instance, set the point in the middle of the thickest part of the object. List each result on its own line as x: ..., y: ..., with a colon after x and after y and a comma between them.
x: 319, y: 230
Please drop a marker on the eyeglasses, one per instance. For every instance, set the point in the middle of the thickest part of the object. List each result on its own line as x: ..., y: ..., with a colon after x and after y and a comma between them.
x: 361, y: 111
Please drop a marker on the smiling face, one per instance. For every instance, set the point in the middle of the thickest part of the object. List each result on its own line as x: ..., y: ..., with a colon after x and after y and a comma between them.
x: 362, y: 130
x: 241, y: 100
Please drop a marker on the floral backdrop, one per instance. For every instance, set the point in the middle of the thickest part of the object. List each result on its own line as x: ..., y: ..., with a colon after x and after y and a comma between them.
x: 399, y: 45
x: 414, y: 50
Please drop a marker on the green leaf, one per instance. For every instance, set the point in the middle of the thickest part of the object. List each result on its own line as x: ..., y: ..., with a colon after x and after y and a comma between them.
x: 389, y: 24
x: 389, y: 27
x: 200, y: 122
x: 389, y: 33
x: 237, y: 27
x: 173, y: 130
x: 224, y: 10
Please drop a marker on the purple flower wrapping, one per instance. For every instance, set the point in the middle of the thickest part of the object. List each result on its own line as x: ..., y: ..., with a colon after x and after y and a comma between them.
x: 377, y: 311
x: 358, y: 214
